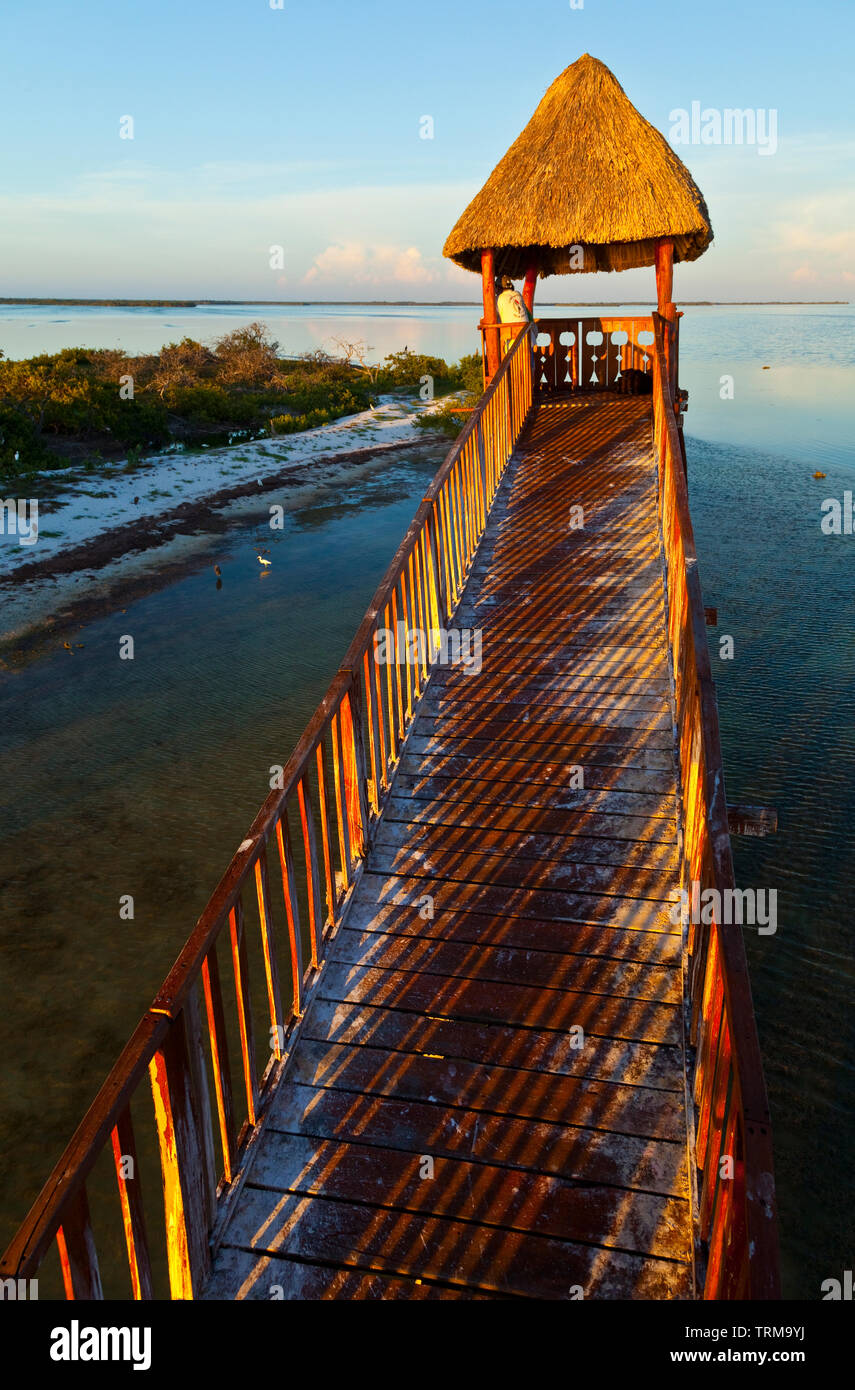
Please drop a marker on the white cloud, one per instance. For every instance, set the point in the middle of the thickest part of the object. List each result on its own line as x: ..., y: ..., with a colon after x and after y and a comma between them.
x: 354, y: 262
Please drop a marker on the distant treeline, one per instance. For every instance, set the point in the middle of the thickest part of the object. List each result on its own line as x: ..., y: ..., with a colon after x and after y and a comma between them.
x: 86, y: 405
x: 114, y: 303
x: 418, y: 303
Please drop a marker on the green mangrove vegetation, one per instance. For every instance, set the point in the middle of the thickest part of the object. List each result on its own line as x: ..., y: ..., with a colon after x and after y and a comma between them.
x: 83, y: 406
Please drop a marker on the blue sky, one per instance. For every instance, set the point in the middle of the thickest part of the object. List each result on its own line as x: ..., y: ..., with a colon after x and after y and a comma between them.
x: 299, y: 127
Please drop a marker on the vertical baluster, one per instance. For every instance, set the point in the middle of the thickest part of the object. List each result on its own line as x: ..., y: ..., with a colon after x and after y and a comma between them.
x: 423, y: 601
x: 720, y: 1226
x: 478, y: 465
x: 469, y: 482
x: 356, y: 775
x: 417, y: 625
x: 447, y: 546
x: 292, y: 913
x: 459, y: 524
x: 466, y: 510
x: 340, y: 805
x: 405, y: 619
x: 182, y: 1162
x: 380, y: 729
x: 77, y: 1254
x: 430, y: 572
x: 201, y: 1098
x: 130, y: 1197
x: 244, y: 1009
x: 313, y: 874
x: 220, y: 1060
x: 391, y: 656
x: 718, y: 1109
x: 374, y: 779
x: 271, y: 968
x: 399, y: 707
x: 439, y: 591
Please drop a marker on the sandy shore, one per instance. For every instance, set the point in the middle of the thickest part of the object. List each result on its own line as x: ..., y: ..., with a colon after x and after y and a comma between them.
x: 119, y: 532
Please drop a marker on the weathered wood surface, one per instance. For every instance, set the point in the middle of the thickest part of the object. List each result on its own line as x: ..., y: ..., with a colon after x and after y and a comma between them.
x: 443, y: 1128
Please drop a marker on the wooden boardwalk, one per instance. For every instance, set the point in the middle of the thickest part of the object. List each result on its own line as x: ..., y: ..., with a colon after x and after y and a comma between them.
x: 443, y: 1128
x: 496, y: 1066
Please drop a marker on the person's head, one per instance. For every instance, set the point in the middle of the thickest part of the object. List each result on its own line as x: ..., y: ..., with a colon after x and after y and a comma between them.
x: 506, y: 282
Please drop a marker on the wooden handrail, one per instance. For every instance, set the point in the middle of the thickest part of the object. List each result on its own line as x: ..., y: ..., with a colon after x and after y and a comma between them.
x: 737, y: 1221
x: 332, y: 792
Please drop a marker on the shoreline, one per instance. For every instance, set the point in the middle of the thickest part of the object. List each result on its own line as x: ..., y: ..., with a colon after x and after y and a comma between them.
x: 114, y: 557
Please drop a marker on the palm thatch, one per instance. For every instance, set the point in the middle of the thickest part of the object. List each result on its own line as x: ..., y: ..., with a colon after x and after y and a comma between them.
x: 588, y: 185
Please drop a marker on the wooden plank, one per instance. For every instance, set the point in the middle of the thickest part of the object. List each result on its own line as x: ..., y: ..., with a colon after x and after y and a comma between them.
x: 513, y: 1199
x: 525, y: 933
x: 598, y: 827
x: 491, y: 1002
x: 546, y: 875
x: 540, y: 762
x: 559, y: 793
x: 466, y: 840
x: 492, y: 1258
x: 498, y: 1067
x: 632, y: 914
x: 418, y: 1126
x: 240, y: 1274
x: 506, y: 964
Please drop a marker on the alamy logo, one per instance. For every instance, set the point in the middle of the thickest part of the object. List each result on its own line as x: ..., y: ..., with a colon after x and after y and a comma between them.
x: 837, y: 517
x: 76, y: 1343
x: 20, y: 516
x: 734, y: 906
x: 19, y: 1290
x: 412, y: 646
x: 732, y: 126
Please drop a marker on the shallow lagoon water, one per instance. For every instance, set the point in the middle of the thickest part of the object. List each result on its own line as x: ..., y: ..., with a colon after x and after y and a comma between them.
x: 142, y: 777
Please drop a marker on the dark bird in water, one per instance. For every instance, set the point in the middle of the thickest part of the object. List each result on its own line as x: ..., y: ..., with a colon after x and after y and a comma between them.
x: 217, y: 571
x: 136, y: 500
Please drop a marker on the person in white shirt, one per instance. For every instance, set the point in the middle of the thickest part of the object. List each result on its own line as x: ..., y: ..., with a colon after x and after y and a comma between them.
x: 511, y: 309
x: 510, y: 303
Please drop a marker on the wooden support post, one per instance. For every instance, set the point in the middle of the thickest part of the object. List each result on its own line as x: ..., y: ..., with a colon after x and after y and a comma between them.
x: 664, y: 274
x: 666, y: 307
x: 491, y: 337
x: 529, y: 286
x: 751, y: 820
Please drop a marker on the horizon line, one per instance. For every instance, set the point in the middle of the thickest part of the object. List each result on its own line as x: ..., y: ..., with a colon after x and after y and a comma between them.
x: 395, y: 303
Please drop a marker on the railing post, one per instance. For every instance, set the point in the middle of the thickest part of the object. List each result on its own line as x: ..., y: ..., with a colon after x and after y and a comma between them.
x: 130, y: 1197
x: 185, y: 1198
x: 77, y: 1254
x: 355, y: 768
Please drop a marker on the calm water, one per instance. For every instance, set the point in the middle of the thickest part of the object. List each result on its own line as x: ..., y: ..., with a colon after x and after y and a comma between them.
x: 140, y: 777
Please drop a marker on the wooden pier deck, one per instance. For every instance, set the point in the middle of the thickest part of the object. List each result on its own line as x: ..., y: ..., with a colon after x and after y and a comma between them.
x: 536, y: 804
x: 499, y: 1064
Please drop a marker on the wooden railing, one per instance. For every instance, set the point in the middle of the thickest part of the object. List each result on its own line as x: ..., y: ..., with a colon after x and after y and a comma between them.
x: 589, y: 354
x: 737, y: 1222
x: 309, y: 840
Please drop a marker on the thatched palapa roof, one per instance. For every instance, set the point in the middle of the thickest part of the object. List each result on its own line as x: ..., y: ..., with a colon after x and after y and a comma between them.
x: 588, y: 171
